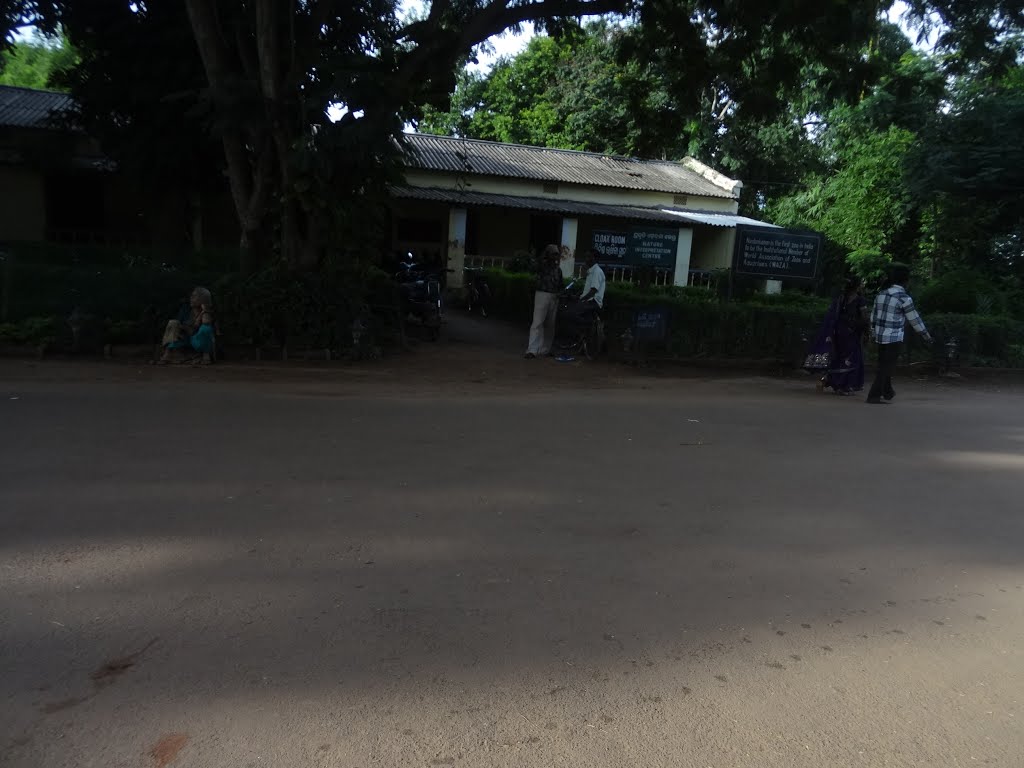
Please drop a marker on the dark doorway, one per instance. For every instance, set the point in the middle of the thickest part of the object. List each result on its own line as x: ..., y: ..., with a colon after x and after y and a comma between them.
x: 544, y: 230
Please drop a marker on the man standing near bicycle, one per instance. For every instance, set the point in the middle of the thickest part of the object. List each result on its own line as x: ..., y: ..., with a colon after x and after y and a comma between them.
x: 592, y: 298
x: 545, y: 303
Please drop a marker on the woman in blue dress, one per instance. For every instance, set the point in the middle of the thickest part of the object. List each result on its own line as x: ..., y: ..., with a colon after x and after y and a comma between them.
x: 838, y: 349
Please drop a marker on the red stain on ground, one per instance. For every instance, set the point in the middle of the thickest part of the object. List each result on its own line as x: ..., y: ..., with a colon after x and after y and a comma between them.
x: 59, y: 706
x: 165, y: 751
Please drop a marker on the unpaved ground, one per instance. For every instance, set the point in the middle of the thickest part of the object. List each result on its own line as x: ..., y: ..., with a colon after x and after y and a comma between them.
x: 502, y: 563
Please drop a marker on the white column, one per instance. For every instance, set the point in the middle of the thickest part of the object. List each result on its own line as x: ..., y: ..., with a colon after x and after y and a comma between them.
x: 570, y: 227
x: 456, y: 246
x: 683, y: 247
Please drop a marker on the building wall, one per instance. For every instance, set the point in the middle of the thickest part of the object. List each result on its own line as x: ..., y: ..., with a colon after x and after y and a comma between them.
x: 712, y: 247
x: 575, y: 192
x: 23, y: 211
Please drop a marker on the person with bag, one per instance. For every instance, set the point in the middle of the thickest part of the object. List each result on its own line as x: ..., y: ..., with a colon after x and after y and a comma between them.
x: 838, y: 349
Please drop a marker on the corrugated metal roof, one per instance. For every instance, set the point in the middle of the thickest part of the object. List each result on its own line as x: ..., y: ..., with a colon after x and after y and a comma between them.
x: 27, y: 108
x: 663, y: 215
x: 488, y: 158
x: 717, y: 219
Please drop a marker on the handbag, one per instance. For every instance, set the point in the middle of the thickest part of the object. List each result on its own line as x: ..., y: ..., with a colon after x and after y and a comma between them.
x: 819, y: 361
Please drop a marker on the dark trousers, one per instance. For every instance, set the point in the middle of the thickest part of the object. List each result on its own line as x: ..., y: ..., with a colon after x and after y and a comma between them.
x: 888, y: 356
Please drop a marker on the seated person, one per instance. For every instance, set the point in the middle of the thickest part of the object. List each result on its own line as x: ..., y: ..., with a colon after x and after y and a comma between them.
x: 191, y: 337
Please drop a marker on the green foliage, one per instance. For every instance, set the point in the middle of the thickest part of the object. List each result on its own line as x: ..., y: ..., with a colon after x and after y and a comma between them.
x: 37, y: 63
x: 870, y: 265
x: 701, y: 326
x: 569, y: 92
x: 776, y: 327
x: 629, y: 292
x: 34, y: 331
x: 968, y: 171
x: 993, y: 342
x: 863, y: 204
x: 674, y: 89
x: 131, y: 302
x: 963, y: 292
x: 315, y: 309
x: 511, y: 294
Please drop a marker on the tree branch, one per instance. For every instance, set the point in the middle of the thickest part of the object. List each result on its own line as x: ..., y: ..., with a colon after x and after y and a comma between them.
x: 439, y: 46
x: 499, y: 15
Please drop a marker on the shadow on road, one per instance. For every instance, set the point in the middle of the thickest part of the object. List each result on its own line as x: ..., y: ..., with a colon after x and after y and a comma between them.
x: 567, y: 550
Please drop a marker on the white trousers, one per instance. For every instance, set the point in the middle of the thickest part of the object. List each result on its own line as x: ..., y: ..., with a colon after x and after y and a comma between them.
x: 542, y: 332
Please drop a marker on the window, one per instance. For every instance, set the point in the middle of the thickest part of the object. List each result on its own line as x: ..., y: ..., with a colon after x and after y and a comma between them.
x: 550, y: 187
x: 679, y: 199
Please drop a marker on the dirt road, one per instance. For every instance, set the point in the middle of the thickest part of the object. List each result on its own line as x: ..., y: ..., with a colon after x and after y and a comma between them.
x: 505, y: 565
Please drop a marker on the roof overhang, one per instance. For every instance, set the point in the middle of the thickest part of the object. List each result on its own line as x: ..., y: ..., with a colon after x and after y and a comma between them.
x: 663, y: 215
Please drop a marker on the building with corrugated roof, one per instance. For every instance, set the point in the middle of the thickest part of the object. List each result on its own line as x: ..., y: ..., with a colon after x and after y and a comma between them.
x: 462, y: 202
x: 483, y: 203
x: 57, y: 186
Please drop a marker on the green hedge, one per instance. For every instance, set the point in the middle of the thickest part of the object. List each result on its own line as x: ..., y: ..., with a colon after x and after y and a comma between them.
x: 701, y: 326
x: 765, y: 326
x: 994, y: 342
x: 130, y: 303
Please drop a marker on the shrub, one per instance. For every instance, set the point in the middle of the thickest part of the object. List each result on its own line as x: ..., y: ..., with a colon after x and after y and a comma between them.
x: 131, y: 303
x: 869, y: 265
x: 700, y: 326
x: 37, y: 331
x: 778, y: 327
x: 982, y: 341
x: 962, y: 292
x: 315, y: 309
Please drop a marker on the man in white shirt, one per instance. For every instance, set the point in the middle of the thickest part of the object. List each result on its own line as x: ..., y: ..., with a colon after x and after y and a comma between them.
x: 583, y: 313
x: 593, y: 288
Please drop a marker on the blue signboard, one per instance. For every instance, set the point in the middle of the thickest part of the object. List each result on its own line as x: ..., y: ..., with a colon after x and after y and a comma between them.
x: 639, y: 247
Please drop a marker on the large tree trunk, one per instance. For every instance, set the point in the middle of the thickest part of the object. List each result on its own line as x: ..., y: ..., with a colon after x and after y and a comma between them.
x: 248, y: 158
x: 259, y: 49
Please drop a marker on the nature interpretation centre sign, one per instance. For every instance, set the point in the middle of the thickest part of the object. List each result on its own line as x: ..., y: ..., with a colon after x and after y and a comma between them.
x: 777, y: 254
x: 639, y: 247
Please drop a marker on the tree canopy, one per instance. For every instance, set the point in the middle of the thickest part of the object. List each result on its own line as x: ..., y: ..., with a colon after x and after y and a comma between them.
x: 300, y: 106
x: 37, y: 63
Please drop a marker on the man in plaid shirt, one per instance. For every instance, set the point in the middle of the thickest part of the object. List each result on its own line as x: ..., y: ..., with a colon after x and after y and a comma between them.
x: 893, y: 309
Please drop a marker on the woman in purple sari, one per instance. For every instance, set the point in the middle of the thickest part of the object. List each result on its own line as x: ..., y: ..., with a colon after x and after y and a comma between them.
x: 838, y: 350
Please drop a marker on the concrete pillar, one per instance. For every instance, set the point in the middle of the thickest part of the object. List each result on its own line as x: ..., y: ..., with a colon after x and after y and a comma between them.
x: 772, y: 287
x: 456, y: 246
x: 683, y: 247
x: 570, y: 227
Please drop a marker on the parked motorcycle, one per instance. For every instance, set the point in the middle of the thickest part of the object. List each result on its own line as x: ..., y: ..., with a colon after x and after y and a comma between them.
x: 422, y: 297
x: 478, y: 291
